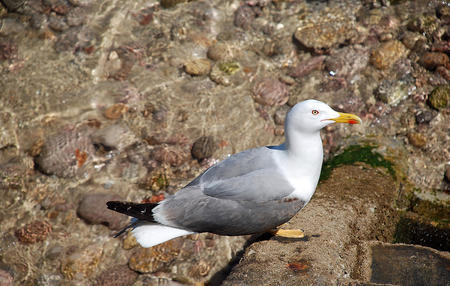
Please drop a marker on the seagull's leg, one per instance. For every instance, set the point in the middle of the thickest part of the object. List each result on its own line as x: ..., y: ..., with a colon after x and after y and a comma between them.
x: 291, y: 233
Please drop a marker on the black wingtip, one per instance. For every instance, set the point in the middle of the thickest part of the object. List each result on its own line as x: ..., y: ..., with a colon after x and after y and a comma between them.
x: 140, y: 211
x: 114, y: 205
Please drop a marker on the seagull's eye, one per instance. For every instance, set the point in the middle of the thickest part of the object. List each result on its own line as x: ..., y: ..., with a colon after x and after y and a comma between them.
x: 315, y: 112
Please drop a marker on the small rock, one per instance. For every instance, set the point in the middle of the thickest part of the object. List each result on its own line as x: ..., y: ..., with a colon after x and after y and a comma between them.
x: 82, y: 263
x: 66, y: 153
x: 307, y: 66
x: 57, y: 23
x: 220, y: 52
x: 118, y: 275
x: 226, y: 73
x: 34, y: 232
x: 204, y: 147
x: 392, y: 92
x: 115, y: 111
x: 440, y: 97
x: 244, y: 16
x: 172, y: 155
x: 6, y: 279
x: 347, y: 61
x: 326, y: 30
x: 444, y: 72
x: 424, y: 116
x: 270, y: 91
x: 8, y: 50
x: 387, y: 54
x: 198, y: 67
x: 409, y: 39
x: 156, y: 258
x: 117, y: 136
x: 92, y: 208
x: 417, y: 139
x: 433, y: 60
x: 280, y: 115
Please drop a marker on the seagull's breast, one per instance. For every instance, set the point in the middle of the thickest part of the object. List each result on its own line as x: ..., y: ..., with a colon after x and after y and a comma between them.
x: 302, y: 173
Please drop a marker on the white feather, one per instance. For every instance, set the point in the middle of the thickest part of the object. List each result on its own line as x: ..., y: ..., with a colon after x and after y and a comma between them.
x: 151, y: 234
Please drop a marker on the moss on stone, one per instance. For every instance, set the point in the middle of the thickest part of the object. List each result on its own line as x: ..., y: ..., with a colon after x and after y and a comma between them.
x: 440, y: 96
x: 353, y: 154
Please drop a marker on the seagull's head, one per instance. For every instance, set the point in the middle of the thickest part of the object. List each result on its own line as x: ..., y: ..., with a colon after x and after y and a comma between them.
x: 312, y: 115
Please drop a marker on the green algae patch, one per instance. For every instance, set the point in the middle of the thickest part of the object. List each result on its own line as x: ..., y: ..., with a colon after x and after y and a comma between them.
x: 357, y: 153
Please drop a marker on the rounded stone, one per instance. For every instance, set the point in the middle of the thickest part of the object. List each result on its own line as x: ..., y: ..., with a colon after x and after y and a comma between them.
x: 82, y: 263
x: 115, y: 111
x: 33, y: 232
x: 387, y: 54
x: 117, y: 275
x: 433, y: 60
x: 172, y: 155
x: 198, y: 67
x: 92, y: 208
x: 424, y: 116
x: 204, y: 147
x: 270, y: 91
x: 66, y: 153
x: 417, y: 139
x: 220, y: 52
x: 440, y: 97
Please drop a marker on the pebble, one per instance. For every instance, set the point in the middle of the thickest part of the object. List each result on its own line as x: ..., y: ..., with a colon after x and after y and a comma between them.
x: 117, y: 275
x: 417, y: 139
x: 392, y: 92
x: 220, y: 52
x: 433, y: 60
x: 173, y: 155
x: 424, y: 116
x: 322, y: 31
x: 444, y: 72
x: 440, y: 97
x: 33, y: 232
x: 6, y: 278
x: 198, y: 67
x: 347, y: 61
x: 92, y: 208
x: 204, y: 147
x: 61, y: 7
x: 65, y: 153
x: 117, y: 136
x: 8, y: 50
x: 270, y: 91
x: 387, y: 54
x: 57, y: 23
x: 82, y: 263
x: 226, y: 73
x: 244, y: 16
x: 156, y: 258
x: 409, y: 39
x: 307, y: 66
x: 115, y: 111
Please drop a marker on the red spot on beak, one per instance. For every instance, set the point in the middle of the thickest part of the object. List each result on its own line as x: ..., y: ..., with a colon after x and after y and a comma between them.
x: 352, y: 121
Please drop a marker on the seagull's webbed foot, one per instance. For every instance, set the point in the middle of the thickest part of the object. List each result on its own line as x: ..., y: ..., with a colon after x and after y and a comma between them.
x: 290, y: 233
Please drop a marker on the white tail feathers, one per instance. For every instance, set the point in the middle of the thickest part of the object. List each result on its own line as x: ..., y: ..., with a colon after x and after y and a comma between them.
x: 151, y: 234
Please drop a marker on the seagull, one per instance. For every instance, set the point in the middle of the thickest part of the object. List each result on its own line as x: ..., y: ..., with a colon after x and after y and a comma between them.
x: 251, y: 192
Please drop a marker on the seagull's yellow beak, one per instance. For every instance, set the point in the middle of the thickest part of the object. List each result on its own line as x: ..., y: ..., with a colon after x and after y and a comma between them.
x: 347, y: 118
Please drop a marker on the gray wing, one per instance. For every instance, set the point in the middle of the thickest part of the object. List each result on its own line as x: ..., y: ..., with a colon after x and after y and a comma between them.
x: 251, y: 175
